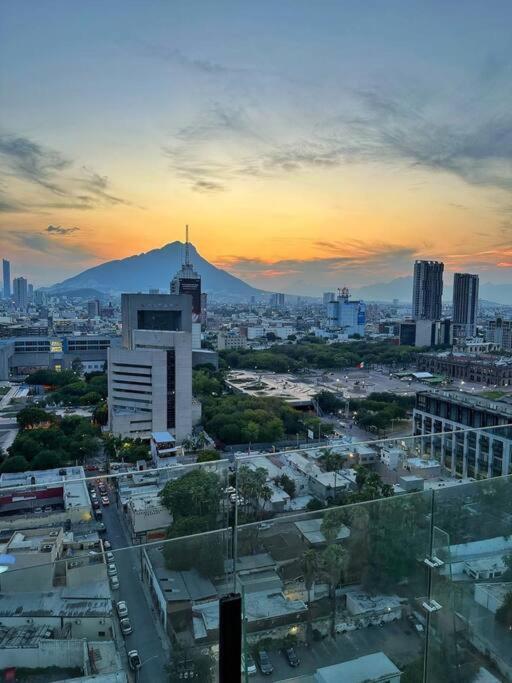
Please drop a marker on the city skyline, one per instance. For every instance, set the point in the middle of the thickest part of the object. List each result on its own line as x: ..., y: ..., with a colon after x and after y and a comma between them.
x: 309, y: 152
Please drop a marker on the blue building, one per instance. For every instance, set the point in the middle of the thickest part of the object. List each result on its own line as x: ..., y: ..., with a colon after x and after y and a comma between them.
x: 345, y: 315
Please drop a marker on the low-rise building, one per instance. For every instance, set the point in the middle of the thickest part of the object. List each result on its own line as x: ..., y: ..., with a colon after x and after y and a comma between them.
x: 374, y: 668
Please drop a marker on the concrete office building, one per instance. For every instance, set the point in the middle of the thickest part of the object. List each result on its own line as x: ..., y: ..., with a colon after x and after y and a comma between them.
x: 6, y: 266
x: 188, y: 281
x: 465, y: 305
x: 22, y: 355
x: 499, y: 331
x: 348, y: 316
x: 20, y: 292
x: 427, y: 290
x: 426, y: 333
x: 327, y: 297
x: 150, y: 378
x: 452, y: 423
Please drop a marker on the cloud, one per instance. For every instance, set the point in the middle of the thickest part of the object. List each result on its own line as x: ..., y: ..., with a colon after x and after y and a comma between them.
x: 339, y: 263
x: 207, y: 186
x: 24, y: 241
x: 58, y: 230
x: 48, y: 179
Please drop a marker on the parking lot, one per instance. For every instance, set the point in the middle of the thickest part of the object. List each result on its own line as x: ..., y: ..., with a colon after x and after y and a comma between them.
x: 397, y: 640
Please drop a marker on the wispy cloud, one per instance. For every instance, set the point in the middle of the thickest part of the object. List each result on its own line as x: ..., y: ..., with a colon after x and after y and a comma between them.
x: 59, y: 230
x: 48, y: 179
x: 23, y: 241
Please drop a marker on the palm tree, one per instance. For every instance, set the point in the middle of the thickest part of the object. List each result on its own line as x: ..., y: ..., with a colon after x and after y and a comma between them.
x: 309, y: 569
x: 334, y: 560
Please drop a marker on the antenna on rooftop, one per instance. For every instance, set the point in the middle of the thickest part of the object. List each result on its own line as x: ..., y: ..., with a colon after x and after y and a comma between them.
x: 187, y: 249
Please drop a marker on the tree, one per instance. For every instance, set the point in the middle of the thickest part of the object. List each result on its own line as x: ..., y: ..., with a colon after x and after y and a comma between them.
x: 32, y: 416
x: 334, y: 560
x: 100, y: 413
x: 504, y: 613
x: 332, y: 522
x: 252, y: 487
x: 208, y: 456
x: 77, y: 367
x: 332, y: 461
x: 197, y: 493
x: 287, y: 484
x: 16, y: 463
x: 309, y: 566
x: 203, y: 552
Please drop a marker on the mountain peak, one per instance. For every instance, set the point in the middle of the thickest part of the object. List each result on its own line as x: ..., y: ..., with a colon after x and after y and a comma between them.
x: 154, y: 270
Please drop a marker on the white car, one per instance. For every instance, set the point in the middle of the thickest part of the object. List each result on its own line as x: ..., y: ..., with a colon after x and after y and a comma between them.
x: 114, y: 583
x: 134, y: 660
x: 126, y: 627
x: 112, y: 569
x: 122, y: 608
x: 110, y: 557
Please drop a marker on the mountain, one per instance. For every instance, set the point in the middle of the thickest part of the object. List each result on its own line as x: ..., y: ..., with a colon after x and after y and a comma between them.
x: 154, y: 270
x: 401, y: 288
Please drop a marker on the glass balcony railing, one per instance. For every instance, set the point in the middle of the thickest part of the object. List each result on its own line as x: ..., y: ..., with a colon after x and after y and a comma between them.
x: 399, y: 571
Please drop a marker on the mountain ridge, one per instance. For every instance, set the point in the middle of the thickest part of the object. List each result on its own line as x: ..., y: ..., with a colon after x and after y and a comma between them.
x: 155, y: 269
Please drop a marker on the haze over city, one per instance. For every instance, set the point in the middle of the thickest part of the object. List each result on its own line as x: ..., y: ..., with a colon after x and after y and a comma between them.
x: 308, y: 146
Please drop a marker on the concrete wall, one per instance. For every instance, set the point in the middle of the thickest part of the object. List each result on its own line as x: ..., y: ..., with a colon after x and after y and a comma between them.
x: 60, y: 653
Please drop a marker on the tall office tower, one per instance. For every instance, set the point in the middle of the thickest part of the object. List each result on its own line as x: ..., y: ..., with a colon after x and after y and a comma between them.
x: 7, y: 278
x: 150, y: 377
x: 187, y: 281
x: 277, y: 299
x: 327, y: 297
x: 465, y: 305
x: 30, y: 293
x: 204, y: 307
x: 93, y: 308
x: 20, y: 291
x: 427, y: 290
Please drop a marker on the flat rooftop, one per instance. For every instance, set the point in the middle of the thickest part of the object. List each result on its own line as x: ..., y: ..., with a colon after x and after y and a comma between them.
x: 374, y: 667
x: 494, y: 405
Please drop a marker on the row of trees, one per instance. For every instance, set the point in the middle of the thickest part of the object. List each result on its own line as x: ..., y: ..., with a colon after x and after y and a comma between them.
x: 308, y: 354
x: 377, y: 412
x: 69, y: 388
x: 45, y: 441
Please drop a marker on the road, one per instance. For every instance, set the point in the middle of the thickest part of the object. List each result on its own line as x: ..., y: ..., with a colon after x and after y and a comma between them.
x: 145, y: 637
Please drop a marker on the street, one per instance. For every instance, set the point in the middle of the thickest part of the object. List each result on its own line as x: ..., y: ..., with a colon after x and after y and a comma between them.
x: 145, y: 637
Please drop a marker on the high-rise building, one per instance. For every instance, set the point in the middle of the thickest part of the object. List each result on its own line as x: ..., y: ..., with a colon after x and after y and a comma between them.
x: 30, y: 292
x: 7, y: 278
x: 277, y: 299
x: 20, y: 292
x: 465, y: 305
x: 150, y: 377
x: 348, y: 316
x: 427, y: 290
x: 327, y: 297
x: 188, y: 281
x: 93, y: 308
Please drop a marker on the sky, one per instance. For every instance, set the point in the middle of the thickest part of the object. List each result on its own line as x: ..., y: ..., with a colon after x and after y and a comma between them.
x: 309, y: 145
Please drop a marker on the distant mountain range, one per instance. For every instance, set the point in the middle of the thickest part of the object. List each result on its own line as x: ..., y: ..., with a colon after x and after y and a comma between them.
x: 401, y: 288
x: 154, y: 270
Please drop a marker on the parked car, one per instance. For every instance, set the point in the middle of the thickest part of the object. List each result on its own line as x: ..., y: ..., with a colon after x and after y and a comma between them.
x: 265, y: 663
x: 107, y: 544
x: 126, y: 627
x: 110, y: 557
x: 134, y: 660
x: 105, y: 500
x: 112, y: 569
x: 122, y: 608
x: 95, y: 504
x: 248, y: 665
x: 114, y: 583
x: 292, y: 657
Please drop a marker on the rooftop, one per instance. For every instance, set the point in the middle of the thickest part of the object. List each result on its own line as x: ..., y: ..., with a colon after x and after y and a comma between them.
x: 311, y: 530
x: 374, y: 667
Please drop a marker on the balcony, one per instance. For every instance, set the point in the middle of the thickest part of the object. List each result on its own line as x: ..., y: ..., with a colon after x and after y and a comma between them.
x: 413, y: 587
